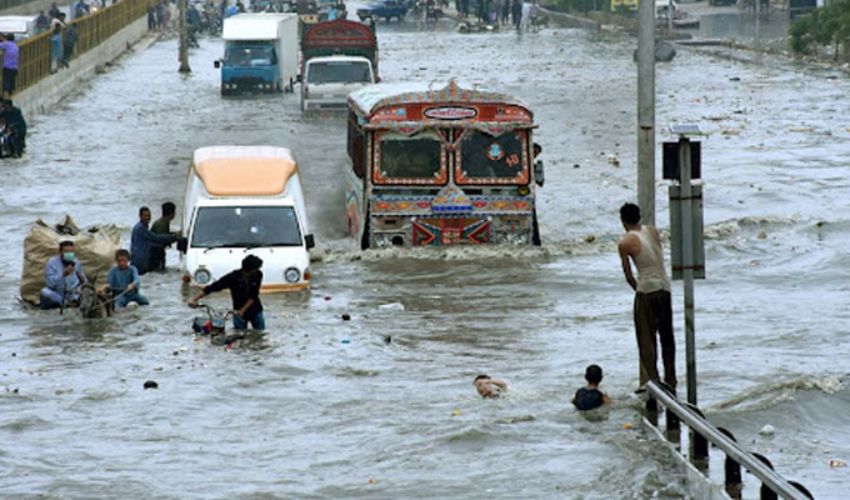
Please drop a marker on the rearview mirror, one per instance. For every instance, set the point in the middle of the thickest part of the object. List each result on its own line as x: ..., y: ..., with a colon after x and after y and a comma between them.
x: 217, y: 64
x: 309, y: 241
x: 539, y: 176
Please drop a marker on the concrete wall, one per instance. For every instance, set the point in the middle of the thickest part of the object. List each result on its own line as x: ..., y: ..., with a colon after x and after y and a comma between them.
x: 40, y: 97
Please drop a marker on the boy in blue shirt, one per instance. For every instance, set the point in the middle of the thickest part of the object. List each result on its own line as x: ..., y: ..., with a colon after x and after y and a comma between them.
x: 590, y: 397
x: 123, y: 281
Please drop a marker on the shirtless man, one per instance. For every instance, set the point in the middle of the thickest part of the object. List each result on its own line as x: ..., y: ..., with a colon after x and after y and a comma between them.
x: 492, y: 388
x: 653, y: 313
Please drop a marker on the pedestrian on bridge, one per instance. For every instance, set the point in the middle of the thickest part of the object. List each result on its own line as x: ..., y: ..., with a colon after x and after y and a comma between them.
x: 56, y: 46
x: 69, y: 41
x: 653, y: 312
x: 10, y: 63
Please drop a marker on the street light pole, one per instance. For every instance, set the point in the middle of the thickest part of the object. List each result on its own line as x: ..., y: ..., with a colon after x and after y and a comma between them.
x: 688, y: 266
x: 646, y: 112
x: 184, y: 42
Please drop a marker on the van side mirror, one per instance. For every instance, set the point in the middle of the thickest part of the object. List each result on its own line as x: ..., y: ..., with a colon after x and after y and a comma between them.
x: 217, y: 63
x: 309, y: 241
x: 539, y: 176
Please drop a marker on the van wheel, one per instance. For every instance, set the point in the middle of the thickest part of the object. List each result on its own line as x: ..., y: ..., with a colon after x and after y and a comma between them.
x: 535, y: 230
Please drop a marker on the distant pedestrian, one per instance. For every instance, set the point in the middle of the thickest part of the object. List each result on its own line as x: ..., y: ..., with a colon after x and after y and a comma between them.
x: 490, y: 388
x: 162, y: 226
x: 143, y: 242
x: 54, y: 11
x: 69, y: 41
x: 10, y: 62
x: 42, y: 22
x: 152, y: 25
x: 16, y: 127
x: 516, y: 13
x: 653, y: 312
x: 590, y: 397
x: 506, y: 11
x: 56, y: 48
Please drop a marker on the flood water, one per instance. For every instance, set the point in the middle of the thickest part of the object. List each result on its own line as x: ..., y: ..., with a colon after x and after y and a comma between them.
x: 383, y: 406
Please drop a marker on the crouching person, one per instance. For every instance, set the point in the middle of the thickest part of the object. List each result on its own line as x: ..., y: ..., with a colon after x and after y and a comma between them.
x: 63, y: 277
x: 123, y: 282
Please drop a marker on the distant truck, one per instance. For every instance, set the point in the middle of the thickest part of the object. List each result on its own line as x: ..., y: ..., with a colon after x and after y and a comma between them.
x: 383, y: 9
x: 22, y: 27
x: 338, y: 57
x: 260, y: 53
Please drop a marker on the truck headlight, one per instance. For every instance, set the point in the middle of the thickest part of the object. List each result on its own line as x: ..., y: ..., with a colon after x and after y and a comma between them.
x: 202, y: 276
x: 292, y: 275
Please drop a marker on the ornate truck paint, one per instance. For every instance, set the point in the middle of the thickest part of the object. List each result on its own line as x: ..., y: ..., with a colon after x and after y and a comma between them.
x: 448, y: 166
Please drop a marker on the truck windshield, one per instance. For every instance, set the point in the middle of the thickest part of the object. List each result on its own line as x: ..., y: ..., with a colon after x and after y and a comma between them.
x: 339, y: 72
x: 217, y: 227
x: 483, y: 156
x: 415, y: 157
x: 249, y: 55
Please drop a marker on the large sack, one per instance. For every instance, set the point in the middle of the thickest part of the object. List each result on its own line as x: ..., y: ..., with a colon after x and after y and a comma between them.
x: 95, y: 248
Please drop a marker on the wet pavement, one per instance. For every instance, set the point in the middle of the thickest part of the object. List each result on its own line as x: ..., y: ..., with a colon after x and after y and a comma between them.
x: 383, y: 405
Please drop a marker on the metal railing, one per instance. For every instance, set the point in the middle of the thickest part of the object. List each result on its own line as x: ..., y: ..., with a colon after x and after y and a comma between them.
x: 773, y: 485
x: 92, y: 30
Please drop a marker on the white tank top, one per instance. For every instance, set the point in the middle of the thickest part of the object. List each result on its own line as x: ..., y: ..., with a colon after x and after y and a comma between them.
x: 650, y: 263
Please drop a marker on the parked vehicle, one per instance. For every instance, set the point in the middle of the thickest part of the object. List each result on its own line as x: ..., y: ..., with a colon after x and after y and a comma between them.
x: 440, y: 165
x: 246, y: 199
x: 22, y: 27
x: 383, y: 9
x: 338, y: 57
x: 260, y: 53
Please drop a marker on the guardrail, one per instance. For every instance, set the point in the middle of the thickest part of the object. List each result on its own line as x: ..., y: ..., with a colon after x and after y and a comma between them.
x: 92, y: 30
x: 773, y: 485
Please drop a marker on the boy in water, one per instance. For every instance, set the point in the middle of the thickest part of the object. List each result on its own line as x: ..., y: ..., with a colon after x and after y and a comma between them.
x: 490, y: 387
x: 123, y: 282
x: 590, y: 397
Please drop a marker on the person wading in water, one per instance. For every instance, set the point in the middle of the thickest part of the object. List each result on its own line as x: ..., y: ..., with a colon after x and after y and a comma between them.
x: 653, y: 312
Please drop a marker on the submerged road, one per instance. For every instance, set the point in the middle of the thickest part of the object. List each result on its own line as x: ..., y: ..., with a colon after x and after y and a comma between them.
x: 392, y: 412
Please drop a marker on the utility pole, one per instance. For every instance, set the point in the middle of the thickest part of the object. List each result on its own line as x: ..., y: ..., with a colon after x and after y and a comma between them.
x: 184, y: 42
x: 646, y: 112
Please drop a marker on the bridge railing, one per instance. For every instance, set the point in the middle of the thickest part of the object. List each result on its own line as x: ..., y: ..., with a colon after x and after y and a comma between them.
x: 92, y: 30
x: 773, y: 485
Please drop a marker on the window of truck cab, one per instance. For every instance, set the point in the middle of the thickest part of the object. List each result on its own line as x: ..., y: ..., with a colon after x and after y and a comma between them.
x: 402, y: 159
x: 485, y: 158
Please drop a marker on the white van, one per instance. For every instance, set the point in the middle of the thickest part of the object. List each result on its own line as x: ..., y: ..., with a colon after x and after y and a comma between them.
x: 327, y: 81
x: 22, y: 27
x: 243, y: 200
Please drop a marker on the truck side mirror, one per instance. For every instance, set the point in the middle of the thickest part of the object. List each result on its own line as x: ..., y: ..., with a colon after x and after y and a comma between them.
x: 309, y: 241
x: 539, y: 176
x: 217, y: 63
x: 299, y: 78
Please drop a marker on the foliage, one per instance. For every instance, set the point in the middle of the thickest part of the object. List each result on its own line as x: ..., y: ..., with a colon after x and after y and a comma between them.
x: 824, y: 27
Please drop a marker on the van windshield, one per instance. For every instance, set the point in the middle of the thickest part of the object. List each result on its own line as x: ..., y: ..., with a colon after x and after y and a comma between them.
x: 250, y: 227
x: 339, y: 72
x: 249, y: 55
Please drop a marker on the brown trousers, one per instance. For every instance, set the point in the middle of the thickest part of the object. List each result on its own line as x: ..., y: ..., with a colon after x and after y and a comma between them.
x: 654, y: 313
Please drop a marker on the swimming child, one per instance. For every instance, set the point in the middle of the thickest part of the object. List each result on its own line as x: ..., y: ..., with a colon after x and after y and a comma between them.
x: 590, y: 397
x: 490, y: 387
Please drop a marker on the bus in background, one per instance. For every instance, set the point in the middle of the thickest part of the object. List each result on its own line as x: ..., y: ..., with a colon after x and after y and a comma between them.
x: 440, y: 165
x: 244, y: 200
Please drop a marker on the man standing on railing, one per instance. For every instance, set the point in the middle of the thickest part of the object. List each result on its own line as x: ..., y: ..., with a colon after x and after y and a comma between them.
x: 10, y: 63
x: 653, y: 312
